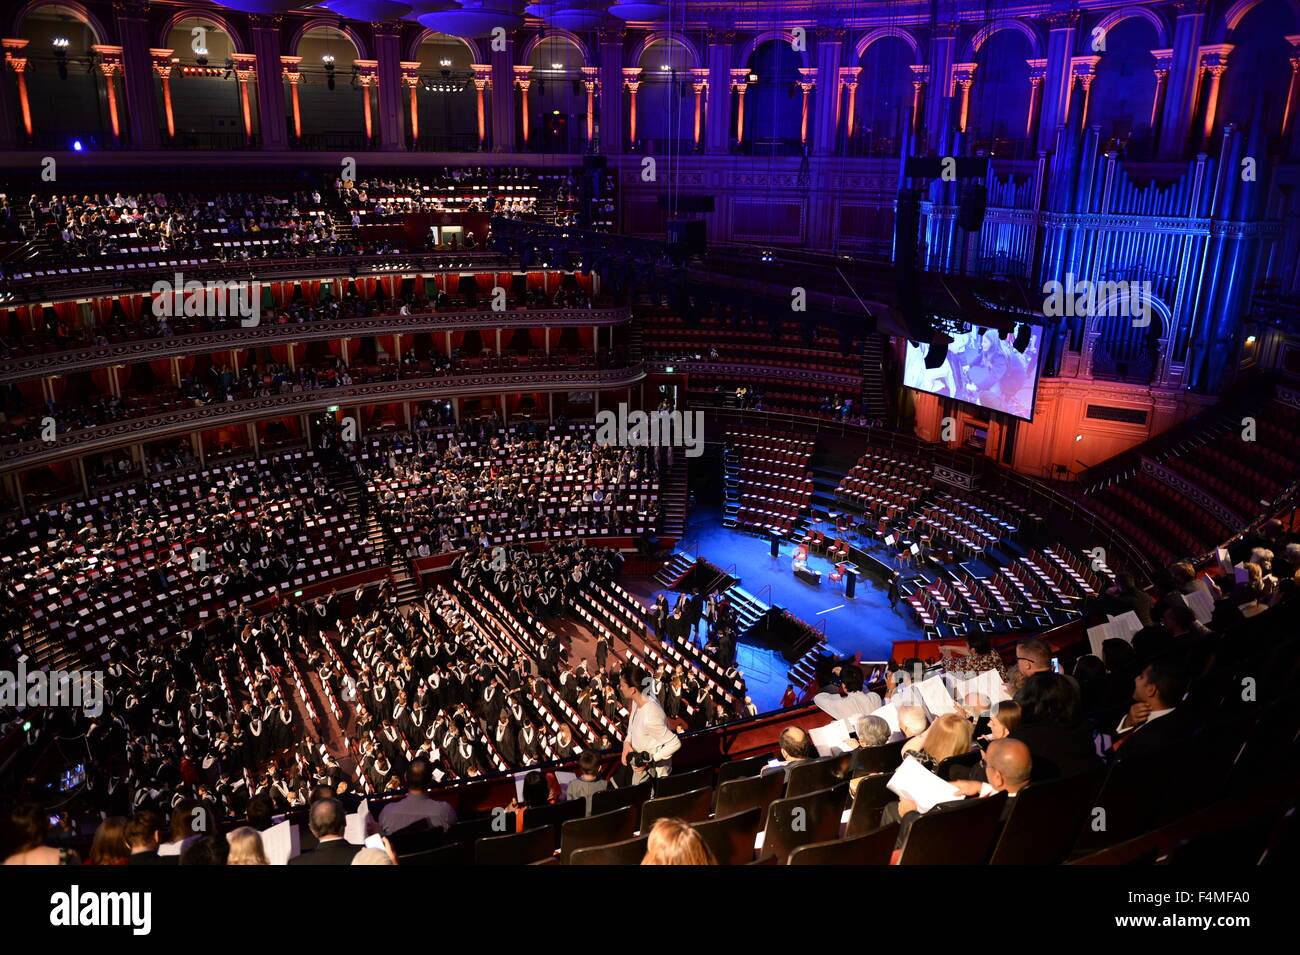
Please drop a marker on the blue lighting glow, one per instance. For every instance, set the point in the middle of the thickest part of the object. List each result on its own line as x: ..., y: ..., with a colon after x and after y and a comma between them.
x: 76, y: 145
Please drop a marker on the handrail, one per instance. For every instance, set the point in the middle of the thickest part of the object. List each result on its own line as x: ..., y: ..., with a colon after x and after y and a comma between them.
x: 146, y: 349
x: 133, y: 430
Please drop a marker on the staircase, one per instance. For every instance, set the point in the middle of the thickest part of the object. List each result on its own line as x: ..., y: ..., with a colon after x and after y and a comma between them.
x: 730, y: 488
x: 874, y: 401
x: 675, y: 500
x: 46, y: 651
x: 671, y: 573
x: 405, y: 584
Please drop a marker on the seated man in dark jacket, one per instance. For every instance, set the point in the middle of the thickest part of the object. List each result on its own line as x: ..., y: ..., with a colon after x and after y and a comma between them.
x: 1155, y: 721
x: 328, y: 821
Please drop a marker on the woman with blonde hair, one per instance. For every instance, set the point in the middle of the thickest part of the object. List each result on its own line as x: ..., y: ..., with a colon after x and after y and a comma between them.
x: 246, y: 847
x: 674, y: 842
x: 948, y: 736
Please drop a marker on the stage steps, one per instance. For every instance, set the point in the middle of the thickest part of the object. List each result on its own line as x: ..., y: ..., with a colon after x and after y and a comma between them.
x: 406, y: 586
x: 748, y: 607
x: 674, y: 570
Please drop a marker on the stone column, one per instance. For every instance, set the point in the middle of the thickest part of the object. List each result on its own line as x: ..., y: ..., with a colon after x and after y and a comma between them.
x: 110, y: 64
x: 482, y: 82
x: 1057, y: 79
x: 503, y: 99
x: 523, y: 82
x: 245, y: 71
x: 388, y: 80
x: 740, y: 83
x: 137, y: 72
x: 631, y: 79
x: 1184, y: 70
x: 163, y: 64
x: 826, y: 123
x: 1215, y: 60
x: 294, y: 76
x: 270, y: 81
x: 717, y: 117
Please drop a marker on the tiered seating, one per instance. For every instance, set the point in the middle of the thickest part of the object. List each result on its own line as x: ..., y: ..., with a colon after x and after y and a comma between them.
x: 101, y: 602
x: 772, y: 479
x: 885, y: 483
x: 668, y: 337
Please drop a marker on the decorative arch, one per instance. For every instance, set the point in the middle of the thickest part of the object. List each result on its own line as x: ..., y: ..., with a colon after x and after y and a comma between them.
x: 363, y: 51
x: 1116, y: 17
x: 210, y: 14
x: 997, y: 26
x: 880, y: 33
x: 754, y: 42
x: 413, y: 48
x: 82, y: 12
x: 551, y: 33
x: 1237, y: 12
x: 1119, y: 339
x: 665, y: 36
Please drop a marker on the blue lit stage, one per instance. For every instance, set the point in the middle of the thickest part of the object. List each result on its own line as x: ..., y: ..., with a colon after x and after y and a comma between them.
x: 865, y: 624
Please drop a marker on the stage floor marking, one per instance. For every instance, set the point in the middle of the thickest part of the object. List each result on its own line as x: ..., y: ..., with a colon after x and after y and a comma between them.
x: 829, y: 609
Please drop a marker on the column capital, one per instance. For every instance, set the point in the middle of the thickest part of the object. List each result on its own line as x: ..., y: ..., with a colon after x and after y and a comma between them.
x: 247, y: 61
x: 740, y: 77
x: 808, y: 76
x: 289, y: 68
x: 1215, y: 55
x: 963, y: 74
x: 265, y: 21
x: 631, y: 74
x: 1164, y: 59
x: 920, y: 73
x: 1084, y: 66
x: 849, y: 74
x: 163, y: 61
x: 366, y: 70
x: 522, y: 74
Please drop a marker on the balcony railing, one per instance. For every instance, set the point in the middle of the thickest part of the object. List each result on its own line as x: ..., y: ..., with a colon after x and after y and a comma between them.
x: 149, y: 349
x: 222, y: 414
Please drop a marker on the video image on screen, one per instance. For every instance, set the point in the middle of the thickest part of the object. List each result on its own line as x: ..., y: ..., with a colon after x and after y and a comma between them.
x: 982, y: 368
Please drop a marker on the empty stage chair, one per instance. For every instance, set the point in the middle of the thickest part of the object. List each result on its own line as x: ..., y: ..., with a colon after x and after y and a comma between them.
x: 961, y: 833
x: 731, y: 838
x: 518, y: 848
x: 689, y: 807
x: 1045, y: 820
x: 741, y: 794
x: 800, y: 820
x: 627, y: 852
x: 676, y: 783
x: 742, y: 768
x: 618, y: 798
x: 597, y: 830
x: 471, y: 830
x: 814, y: 775
x: 873, y: 848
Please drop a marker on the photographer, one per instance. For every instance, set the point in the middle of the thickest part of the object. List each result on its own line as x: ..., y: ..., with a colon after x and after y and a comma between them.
x: 649, y: 744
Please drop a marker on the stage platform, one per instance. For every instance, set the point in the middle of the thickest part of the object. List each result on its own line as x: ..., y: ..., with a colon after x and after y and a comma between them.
x: 866, y: 624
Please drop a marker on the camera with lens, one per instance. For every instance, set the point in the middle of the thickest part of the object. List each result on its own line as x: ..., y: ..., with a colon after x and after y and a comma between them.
x: 639, y: 760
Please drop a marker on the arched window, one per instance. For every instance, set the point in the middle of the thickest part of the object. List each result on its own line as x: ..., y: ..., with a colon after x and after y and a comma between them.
x: 666, y: 100
x: 445, y: 95
x: 773, y: 101
x: 557, y: 101
x: 206, y: 105
x: 330, y: 91
x: 1124, y: 88
x: 65, y: 86
x: 998, y: 115
x: 883, y: 101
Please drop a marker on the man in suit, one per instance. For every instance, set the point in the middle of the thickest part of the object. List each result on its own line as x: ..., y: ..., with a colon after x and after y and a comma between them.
x: 142, y: 837
x: 327, y: 824
x: 1154, y: 721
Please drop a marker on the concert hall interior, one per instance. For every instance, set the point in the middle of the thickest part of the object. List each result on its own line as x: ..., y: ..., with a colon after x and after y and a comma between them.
x: 590, y: 432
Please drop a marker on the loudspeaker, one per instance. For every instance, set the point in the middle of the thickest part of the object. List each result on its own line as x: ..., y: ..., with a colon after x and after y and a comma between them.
x: 850, y: 584
x: 776, y: 546
x: 938, y: 350
x: 974, y: 200
x: 689, y: 235
x: 590, y: 163
x: 907, y: 230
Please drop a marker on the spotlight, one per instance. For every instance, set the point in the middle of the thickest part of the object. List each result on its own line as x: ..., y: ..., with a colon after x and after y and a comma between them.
x: 60, y: 44
x: 557, y: 66
x: 328, y: 60
x: 76, y: 145
x: 444, y: 63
